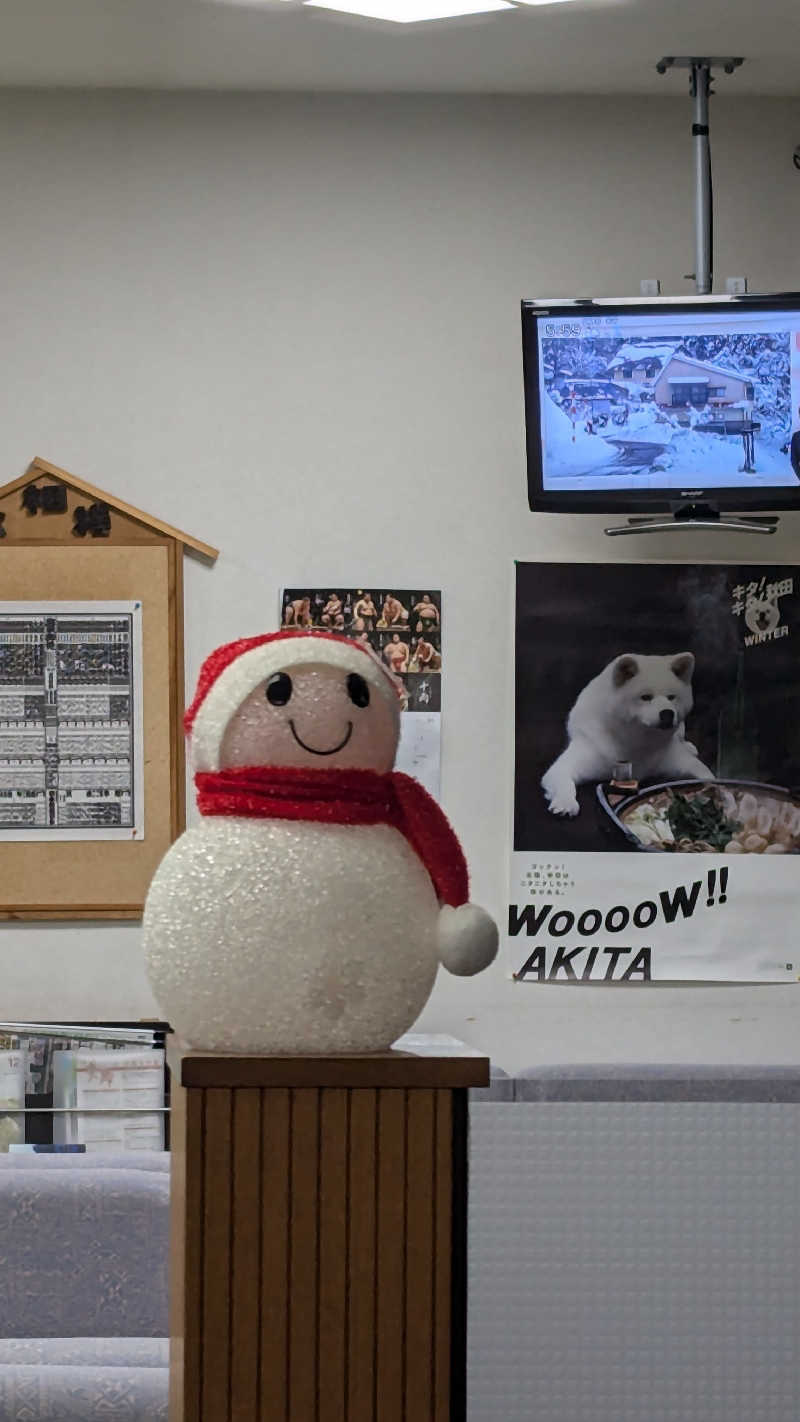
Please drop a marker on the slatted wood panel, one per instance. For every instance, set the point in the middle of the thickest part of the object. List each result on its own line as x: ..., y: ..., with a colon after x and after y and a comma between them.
x: 275, y: 1145
x: 246, y: 1225
x: 442, y: 1282
x: 420, y: 1277
x: 217, y: 1339
x: 302, y: 1284
x: 332, y: 1236
x: 315, y: 1230
x: 362, y: 1157
x: 193, y: 1257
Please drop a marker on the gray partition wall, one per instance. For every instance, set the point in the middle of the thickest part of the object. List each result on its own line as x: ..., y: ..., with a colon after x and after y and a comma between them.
x: 635, y: 1247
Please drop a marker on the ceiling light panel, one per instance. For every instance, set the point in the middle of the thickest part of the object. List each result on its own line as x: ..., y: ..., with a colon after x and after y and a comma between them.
x: 411, y: 12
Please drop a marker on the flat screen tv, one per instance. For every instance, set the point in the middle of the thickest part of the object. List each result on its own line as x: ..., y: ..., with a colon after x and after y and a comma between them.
x: 659, y: 405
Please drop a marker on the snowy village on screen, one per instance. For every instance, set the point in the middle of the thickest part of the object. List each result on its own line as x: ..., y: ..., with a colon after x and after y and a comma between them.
x: 644, y: 401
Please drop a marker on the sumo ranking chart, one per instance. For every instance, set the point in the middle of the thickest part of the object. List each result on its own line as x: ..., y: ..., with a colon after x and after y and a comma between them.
x: 70, y: 721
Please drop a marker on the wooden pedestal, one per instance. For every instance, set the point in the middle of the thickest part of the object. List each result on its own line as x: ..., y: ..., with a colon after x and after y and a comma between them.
x: 319, y: 1238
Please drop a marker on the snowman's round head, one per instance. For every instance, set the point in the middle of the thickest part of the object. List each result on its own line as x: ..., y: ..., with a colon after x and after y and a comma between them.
x: 310, y: 699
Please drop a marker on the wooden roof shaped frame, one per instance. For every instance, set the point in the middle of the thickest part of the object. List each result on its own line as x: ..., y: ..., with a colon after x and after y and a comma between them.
x: 41, y: 469
x: 66, y: 549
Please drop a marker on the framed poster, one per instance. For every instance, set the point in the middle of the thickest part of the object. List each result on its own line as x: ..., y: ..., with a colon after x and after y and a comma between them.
x: 657, y: 773
x: 92, y: 779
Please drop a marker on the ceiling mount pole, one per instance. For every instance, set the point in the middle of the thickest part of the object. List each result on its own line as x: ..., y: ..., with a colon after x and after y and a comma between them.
x: 700, y: 79
x: 703, y: 201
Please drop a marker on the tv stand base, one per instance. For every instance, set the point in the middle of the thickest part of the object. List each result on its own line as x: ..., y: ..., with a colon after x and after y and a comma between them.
x: 692, y: 516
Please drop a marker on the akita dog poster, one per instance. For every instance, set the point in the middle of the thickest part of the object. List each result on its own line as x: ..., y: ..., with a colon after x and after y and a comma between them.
x: 657, y: 773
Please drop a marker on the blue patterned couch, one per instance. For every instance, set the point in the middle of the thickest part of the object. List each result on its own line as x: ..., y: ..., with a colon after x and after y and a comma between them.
x: 83, y: 1288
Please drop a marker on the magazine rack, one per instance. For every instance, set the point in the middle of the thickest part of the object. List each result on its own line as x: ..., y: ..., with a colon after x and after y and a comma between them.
x: 33, y: 1103
x: 319, y: 1237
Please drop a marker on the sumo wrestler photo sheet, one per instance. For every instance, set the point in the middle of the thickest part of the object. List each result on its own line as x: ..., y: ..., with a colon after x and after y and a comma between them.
x: 403, y: 628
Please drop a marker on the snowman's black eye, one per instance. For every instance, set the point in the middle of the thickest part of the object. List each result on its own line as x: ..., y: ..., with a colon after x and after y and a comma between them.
x: 357, y: 690
x: 279, y: 689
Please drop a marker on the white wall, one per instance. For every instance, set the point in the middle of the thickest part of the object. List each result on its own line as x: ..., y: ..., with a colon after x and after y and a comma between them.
x: 290, y: 325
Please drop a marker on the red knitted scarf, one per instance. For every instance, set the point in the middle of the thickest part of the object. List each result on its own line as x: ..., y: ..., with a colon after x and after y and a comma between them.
x: 344, y: 797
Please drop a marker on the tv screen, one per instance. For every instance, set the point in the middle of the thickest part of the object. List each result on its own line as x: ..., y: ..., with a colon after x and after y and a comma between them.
x: 659, y: 404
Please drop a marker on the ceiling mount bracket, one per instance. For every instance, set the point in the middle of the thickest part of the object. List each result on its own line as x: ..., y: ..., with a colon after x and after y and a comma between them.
x: 700, y: 80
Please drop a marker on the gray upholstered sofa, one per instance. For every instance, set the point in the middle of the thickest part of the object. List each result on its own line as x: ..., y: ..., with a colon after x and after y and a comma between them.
x: 83, y: 1288
x: 634, y: 1244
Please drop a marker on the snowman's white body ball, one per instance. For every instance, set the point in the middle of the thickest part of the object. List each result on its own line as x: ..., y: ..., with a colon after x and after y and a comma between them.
x: 277, y: 936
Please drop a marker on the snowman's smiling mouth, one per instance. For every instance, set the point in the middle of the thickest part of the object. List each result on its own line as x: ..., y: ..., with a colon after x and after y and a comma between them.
x: 313, y: 749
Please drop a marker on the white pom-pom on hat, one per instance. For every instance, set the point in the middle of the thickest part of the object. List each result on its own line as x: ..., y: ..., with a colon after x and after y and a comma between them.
x: 230, y: 673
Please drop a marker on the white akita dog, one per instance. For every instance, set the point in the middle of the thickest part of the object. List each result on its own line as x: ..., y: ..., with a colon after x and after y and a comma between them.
x: 634, y: 711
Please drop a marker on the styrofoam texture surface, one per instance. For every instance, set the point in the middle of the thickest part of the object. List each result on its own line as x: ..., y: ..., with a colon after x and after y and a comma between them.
x: 634, y: 1262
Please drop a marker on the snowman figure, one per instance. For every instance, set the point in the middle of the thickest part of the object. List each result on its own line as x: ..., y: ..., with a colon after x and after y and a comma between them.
x: 309, y: 909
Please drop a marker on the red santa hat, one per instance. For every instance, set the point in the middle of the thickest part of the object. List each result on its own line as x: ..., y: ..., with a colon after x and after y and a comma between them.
x: 230, y: 673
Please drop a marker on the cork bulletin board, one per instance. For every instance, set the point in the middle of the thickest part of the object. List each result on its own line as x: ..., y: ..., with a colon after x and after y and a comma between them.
x: 72, y: 714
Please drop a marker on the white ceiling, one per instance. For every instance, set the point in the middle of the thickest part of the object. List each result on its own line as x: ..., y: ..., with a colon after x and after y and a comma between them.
x: 590, y: 46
